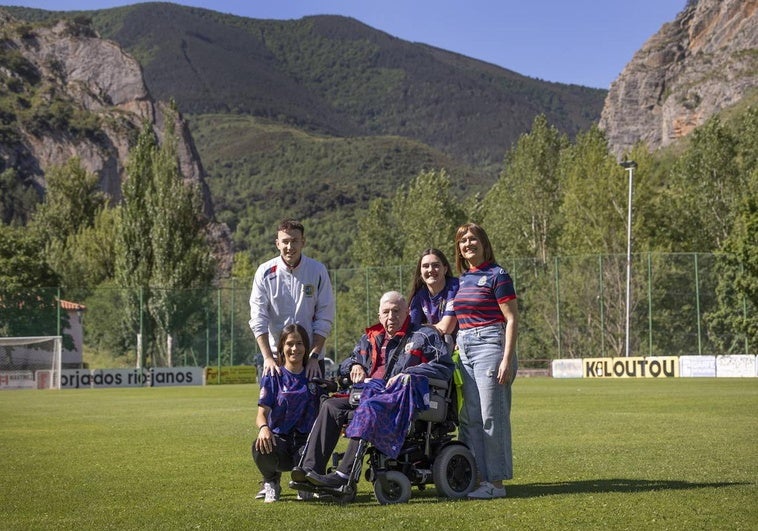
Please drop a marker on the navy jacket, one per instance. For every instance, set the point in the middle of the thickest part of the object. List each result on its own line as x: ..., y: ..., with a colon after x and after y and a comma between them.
x: 425, y: 353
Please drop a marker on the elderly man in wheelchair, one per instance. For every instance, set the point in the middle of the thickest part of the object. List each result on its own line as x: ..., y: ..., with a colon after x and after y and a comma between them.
x: 393, y: 367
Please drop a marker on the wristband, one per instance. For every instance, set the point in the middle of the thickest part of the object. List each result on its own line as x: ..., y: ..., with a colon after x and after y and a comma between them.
x: 263, y: 426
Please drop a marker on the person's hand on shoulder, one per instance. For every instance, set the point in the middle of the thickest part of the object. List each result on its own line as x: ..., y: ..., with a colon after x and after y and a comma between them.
x: 270, y: 367
x: 312, y: 368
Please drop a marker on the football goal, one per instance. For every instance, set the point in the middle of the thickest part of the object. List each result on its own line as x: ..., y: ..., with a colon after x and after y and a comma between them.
x: 30, y: 362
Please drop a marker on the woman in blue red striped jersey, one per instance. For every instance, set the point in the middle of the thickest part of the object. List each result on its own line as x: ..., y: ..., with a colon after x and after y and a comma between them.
x: 487, y: 314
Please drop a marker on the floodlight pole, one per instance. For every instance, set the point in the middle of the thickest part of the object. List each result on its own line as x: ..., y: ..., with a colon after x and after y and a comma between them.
x: 629, y: 166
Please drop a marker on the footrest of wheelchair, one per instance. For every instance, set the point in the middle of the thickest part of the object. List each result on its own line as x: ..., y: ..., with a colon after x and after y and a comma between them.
x: 339, y: 492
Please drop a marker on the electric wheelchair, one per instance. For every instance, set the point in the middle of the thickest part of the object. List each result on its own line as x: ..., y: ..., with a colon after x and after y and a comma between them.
x: 430, y: 454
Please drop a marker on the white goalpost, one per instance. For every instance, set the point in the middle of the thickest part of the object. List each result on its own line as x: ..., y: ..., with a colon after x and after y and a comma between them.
x: 31, y: 362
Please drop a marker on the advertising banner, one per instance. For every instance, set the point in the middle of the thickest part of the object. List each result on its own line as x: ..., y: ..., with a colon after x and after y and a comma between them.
x: 239, y: 374
x: 735, y: 366
x: 154, y: 377
x: 570, y: 368
x: 697, y: 366
x: 632, y: 367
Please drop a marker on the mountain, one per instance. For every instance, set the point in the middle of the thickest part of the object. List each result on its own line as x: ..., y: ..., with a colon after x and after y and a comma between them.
x: 315, y: 117
x: 66, y: 92
x: 701, y: 63
x: 335, y: 75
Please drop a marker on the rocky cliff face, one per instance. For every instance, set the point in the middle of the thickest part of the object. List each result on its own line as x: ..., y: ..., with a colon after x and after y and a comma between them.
x: 703, y: 62
x: 64, y: 75
x: 95, y: 76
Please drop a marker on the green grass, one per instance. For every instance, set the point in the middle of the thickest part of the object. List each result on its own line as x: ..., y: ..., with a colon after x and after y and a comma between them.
x: 624, y: 454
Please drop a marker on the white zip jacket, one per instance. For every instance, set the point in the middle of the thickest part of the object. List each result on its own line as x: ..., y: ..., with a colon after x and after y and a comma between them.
x: 281, y: 296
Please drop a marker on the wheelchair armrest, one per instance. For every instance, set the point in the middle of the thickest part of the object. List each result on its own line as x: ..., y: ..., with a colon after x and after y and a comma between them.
x: 440, y: 384
x: 329, y: 385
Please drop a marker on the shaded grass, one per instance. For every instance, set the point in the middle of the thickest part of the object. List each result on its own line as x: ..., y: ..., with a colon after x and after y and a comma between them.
x: 625, y: 454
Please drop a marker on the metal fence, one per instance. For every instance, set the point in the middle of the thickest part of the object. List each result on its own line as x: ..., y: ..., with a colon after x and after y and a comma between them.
x: 572, y: 307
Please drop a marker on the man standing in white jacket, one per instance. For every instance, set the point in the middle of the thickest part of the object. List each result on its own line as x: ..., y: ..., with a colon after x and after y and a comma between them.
x: 291, y: 288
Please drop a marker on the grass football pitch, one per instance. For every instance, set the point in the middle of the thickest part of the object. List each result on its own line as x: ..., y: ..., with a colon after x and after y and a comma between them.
x: 588, y: 454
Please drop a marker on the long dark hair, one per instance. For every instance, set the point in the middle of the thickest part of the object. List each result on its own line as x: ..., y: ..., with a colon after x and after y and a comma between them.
x: 287, y: 330
x: 461, y: 264
x: 417, y: 281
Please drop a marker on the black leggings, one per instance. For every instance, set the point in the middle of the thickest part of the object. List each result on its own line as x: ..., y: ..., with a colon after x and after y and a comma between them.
x: 286, y: 454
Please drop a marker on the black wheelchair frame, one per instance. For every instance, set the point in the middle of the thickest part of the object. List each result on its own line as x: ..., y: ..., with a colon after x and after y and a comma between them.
x: 430, y: 454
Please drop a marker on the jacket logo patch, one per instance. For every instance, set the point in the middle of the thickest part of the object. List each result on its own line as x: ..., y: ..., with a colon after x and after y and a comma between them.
x: 309, y: 290
x: 270, y: 273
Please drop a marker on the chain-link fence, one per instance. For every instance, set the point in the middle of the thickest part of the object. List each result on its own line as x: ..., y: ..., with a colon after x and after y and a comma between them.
x: 571, y: 307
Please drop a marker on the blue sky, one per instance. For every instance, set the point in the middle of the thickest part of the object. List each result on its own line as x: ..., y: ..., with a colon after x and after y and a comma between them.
x: 586, y: 42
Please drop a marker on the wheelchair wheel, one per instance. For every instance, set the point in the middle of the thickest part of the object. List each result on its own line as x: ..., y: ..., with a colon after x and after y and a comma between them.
x: 398, y: 491
x: 454, y: 471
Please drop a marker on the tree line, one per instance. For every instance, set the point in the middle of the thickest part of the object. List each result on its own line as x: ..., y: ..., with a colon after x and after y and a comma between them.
x: 151, y: 246
x: 556, y: 216
x: 558, y: 204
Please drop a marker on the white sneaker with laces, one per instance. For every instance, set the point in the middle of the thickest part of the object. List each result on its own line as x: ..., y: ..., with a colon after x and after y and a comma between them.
x: 273, y: 490
x: 487, y: 491
x: 261, y: 494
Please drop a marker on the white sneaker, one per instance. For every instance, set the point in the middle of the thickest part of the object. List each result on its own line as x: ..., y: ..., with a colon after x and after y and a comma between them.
x: 304, y: 495
x: 261, y: 494
x: 273, y: 490
x: 487, y: 491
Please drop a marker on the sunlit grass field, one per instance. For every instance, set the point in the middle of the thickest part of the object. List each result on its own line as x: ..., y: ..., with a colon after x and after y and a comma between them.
x: 589, y: 454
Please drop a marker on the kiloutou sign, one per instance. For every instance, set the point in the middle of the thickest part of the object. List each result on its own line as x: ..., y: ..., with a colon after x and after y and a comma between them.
x: 651, y: 367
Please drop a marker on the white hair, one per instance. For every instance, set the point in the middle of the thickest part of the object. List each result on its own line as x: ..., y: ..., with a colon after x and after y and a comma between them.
x: 393, y: 296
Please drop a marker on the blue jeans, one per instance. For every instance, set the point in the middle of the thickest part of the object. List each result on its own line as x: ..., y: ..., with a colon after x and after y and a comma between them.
x: 486, y: 414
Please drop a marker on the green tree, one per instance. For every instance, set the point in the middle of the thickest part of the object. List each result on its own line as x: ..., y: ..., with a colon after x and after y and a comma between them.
x: 734, y: 325
x: 378, y: 249
x: 161, y: 252
x: 521, y: 210
x: 379, y: 241
x: 706, y: 187
x: 86, y: 258
x: 66, y: 220
x: 594, y: 204
x: 134, y: 251
x: 181, y: 258
x: 28, y: 294
x: 521, y: 213
x: 18, y: 198
x: 594, y: 215
x: 738, y: 286
x: 108, y: 332
x: 394, y: 231
x: 243, y: 267
x: 427, y: 215
x: 696, y: 214
x: 72, y: 201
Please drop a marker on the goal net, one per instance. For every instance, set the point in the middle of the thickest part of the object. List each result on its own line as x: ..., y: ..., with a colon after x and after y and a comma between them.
x: 30, y: 362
